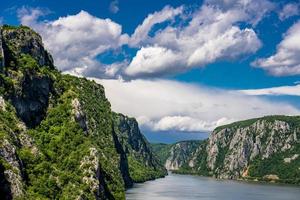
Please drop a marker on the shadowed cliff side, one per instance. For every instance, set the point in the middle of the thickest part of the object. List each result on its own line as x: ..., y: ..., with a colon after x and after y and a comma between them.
x: 143, y: 164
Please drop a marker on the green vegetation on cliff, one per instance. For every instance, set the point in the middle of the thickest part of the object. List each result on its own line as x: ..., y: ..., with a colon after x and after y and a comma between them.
x: 58, y: 135
x: 283, y: 164
x: 292, y: 120
x: 263, y: 149
x: 176, y: 156
x: 162, y: 151
x: 143, y: 164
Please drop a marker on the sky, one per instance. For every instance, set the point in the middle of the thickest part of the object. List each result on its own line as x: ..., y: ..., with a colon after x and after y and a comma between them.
x: 181, y: 68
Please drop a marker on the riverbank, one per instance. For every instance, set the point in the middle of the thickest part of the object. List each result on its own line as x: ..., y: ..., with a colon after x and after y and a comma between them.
x: 292, y: 182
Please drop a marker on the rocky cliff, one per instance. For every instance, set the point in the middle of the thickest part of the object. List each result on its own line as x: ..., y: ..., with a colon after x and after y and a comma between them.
x: 177, y: 156
x: 266, y: 149
x: 256, y: 149
x: 142, y: 163
x: 59, y: 138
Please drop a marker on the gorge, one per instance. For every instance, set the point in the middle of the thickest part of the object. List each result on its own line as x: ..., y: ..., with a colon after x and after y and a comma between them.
x: 60, y: 139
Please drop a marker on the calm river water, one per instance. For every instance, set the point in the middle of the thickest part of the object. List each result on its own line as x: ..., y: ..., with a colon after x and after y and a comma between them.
x: 186, y: 187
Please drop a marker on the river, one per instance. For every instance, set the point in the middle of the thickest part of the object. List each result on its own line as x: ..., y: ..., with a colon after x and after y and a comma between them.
x: 186, y: 187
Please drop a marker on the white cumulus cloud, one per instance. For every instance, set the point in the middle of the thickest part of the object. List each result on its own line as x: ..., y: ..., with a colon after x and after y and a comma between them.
x: 154, y: 60
x: 286, y: 60
x: 76, y: 40
x: 140, y: 34
x: 186, y: 124
x: 255, y: 9
x: 211, y: 34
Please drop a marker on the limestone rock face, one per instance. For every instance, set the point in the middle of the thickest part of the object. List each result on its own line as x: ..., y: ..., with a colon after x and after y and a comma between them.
x: 264, y: 149
x: 13, y: 176
x: 90, y: 165
x: 180, y: 154
x: 2, y: 104
x: 79, y: 115
x: 289, y: 160
x: 242, y: 145
x: 2, y: 63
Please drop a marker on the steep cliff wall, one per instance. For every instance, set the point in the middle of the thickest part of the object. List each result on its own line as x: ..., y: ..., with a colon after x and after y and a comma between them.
x: 265, y: 149
x: 178, y: 155
x: 58, y: 135
x: 142, y: 163
x: 256, y: 148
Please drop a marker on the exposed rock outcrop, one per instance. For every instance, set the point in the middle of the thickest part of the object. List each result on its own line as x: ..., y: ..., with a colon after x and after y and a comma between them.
x: 13, y: 175
x: 231, y: 150
x: 2, y: 104
x: 289, y: 160
x: 79, y: 115
x: 2, y: 63
x: 181, y: 154
x: 90, y: 166
x: 133, y: 146
x: 264, y: 149
x: 22, y: 40
x: 31, y: 89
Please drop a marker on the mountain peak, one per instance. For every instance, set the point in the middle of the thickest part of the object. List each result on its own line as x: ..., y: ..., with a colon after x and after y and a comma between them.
x: 17, y: 41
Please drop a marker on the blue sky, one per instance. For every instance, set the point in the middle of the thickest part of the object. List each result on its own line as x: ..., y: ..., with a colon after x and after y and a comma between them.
x: 196, y: 60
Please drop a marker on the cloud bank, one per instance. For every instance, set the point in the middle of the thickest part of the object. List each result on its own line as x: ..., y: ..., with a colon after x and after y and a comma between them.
x: 283, y: 90
x: 163, y: 105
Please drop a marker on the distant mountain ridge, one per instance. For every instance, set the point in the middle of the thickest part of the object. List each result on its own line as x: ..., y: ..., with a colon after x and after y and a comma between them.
x: 264, y: 149
x: 59, y: 138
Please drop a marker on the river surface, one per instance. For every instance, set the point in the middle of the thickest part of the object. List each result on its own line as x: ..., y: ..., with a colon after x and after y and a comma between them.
x: 186, y: 187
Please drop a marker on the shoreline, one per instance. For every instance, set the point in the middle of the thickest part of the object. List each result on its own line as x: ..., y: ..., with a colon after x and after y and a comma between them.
x: 153, y: 179
x: 257, y: 181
